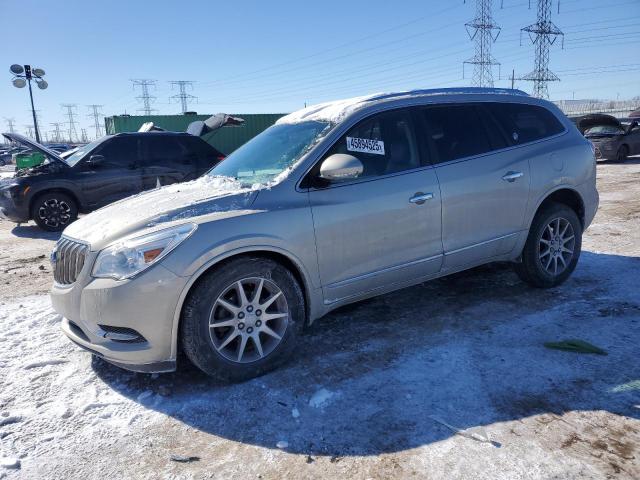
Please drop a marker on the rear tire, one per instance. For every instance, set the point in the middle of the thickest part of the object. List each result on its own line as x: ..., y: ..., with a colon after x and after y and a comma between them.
x: 235, y: 338
x: 553, y: 247
x: 54, y: 211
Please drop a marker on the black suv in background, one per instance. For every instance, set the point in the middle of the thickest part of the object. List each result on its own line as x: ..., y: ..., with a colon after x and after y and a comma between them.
x: 101, y: 172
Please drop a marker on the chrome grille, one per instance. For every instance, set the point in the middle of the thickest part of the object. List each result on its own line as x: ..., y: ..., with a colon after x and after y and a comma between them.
x: 68, y: 259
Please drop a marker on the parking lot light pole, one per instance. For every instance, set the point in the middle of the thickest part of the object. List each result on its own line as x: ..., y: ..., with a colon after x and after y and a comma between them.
x: 22, y: 75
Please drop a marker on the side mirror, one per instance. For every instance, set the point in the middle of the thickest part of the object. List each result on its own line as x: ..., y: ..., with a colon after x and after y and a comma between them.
x: 94, y: 159
x: 341, y: 167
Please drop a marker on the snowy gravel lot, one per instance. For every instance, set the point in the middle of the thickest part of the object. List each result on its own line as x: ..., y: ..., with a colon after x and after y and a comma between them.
x: 448, y: 379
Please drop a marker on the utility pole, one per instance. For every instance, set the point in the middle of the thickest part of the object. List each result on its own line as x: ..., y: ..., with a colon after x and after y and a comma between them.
x: 57, y: 133
x: 542, y: 34
x: 71, y: 115
x: 147, y: 99
x: 483, y: 31
x: 183, y: 96
x: 96, y: 114
x: 22, y: 76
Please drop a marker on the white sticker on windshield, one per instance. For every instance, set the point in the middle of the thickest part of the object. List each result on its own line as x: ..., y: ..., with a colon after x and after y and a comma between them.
x: 365, y: 145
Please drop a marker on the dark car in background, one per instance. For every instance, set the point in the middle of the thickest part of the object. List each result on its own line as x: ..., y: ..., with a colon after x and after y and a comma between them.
x: 99, y: 173
x: 612, y: 139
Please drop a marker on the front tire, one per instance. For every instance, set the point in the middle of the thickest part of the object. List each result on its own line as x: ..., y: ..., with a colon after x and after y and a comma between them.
x: 243, y: 319
x: 54, y: 211
x: 553, y: 247
x: 622, y: 154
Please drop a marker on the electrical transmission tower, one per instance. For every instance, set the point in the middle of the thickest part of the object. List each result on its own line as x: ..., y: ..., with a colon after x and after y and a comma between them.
x: 71, y: 123
x: 483, y: 31
x: 183, y: 96
x: 29, y: 130
x: 96, y: 114
x: 83, y: 136
x: 57, y: 134
x: 11, y: 123
x: 147, y: 99
x: 543, y: 34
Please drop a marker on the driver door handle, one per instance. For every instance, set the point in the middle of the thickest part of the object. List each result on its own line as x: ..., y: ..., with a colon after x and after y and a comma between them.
x: 419, y: 198
x: 512, y: 176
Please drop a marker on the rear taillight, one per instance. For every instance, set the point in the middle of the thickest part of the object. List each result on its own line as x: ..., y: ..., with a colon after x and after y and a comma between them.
x: 221, y: 157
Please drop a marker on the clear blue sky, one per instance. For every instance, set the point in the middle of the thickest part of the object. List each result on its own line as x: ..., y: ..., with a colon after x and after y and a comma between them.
x: 273, y: 56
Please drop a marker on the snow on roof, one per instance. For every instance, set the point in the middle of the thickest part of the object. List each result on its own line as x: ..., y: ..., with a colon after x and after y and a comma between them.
x: 337, y: 110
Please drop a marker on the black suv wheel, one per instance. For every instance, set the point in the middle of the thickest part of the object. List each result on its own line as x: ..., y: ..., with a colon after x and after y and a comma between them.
x: 54, y: 211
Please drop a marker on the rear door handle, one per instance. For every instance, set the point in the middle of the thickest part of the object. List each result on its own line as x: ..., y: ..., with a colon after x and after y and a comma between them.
x: 512, y: 176
x: 419, y: 198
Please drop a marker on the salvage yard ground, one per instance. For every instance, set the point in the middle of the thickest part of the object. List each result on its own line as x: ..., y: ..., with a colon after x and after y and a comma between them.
x: 371, y: 390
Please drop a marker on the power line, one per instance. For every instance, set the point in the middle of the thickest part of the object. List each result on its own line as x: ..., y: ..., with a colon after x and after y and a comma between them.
x: 483, y: 31
x: 96, y: 114
x: 183, y: 96
x: 543, y: 34
x: 147, y: 99
x: 71, y: 122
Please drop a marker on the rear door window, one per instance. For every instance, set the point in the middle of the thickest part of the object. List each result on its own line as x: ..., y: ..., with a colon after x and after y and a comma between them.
x: 165, y: 151
x: 525, y: 123
x: 455, y: 131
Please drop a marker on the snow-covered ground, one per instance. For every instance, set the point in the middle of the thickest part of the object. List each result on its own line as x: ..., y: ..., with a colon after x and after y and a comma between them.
x: 449, y: 379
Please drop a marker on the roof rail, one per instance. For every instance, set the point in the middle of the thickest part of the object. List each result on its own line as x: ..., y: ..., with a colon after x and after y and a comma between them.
x: 450, y: 91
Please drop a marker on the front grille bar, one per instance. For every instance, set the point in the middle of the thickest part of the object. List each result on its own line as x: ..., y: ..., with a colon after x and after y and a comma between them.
x: 70, y: 257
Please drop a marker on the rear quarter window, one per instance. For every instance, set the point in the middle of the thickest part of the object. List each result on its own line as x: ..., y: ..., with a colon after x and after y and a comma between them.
x: 525, y: 123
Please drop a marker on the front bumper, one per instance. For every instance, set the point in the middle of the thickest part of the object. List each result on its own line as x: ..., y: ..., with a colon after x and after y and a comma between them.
x: 14, y: 209
x: 146, y: 304
x: 602, y: 154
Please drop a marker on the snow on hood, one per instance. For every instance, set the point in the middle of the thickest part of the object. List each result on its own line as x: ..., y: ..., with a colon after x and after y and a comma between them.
x: 203, y: 196
x: 333, y: 112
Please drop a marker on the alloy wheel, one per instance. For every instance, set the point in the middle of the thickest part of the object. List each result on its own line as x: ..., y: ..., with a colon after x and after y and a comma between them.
x: 556, y: 246
x: 248, y: 320
x: 54, y: 213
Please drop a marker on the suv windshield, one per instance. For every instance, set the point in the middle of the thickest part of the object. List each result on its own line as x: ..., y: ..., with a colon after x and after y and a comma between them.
x: 80, y: 152
x: 273, y: 151
x: 603, y: 130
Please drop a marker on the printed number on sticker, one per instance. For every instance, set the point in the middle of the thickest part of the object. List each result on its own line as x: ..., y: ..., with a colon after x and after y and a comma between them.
x: 365, y: 145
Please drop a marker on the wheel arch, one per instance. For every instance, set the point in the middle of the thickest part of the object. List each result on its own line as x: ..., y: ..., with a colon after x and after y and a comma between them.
x: 44, y: 191
x: 285, y: 258
x: 566, y: 196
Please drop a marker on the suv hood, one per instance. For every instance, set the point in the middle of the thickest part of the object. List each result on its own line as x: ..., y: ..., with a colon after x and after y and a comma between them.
x: 16, y: 137
x: 595, y: 119
x: 206, y: 198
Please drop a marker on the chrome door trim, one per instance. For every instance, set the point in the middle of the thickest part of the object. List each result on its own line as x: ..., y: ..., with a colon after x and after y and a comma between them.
x: 502, y: 237
x: 365, y: 276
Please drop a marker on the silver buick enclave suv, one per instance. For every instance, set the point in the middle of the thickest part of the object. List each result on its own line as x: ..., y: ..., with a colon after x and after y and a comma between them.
x: 335, y: 203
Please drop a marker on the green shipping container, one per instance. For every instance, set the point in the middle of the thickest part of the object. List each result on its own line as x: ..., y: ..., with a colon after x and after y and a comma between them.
x: 226, y: 139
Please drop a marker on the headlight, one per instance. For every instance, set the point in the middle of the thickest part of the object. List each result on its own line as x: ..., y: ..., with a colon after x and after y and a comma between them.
x: 132, y: 255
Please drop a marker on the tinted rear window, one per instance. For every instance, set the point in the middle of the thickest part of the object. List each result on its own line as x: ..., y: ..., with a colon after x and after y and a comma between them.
x: 456, y: 131
x: 525, y: 123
